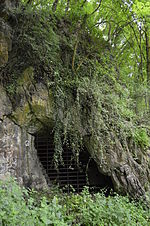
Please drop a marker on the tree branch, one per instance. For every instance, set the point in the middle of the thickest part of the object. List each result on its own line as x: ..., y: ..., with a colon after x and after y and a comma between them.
x: 99, y: 5
x: 54, y: 6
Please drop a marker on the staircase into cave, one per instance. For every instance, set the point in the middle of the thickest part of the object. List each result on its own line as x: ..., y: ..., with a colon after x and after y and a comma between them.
x: 69, y: 176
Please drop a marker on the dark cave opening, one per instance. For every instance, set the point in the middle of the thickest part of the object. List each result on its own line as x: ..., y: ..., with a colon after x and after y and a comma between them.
x: 69, y: 176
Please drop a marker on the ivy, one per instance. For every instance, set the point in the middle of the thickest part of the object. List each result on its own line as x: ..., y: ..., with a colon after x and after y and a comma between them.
x: 92, y: 95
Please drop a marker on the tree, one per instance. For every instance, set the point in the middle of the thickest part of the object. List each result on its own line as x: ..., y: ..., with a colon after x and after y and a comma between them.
x: 124, y: 24
x: 142, y: 9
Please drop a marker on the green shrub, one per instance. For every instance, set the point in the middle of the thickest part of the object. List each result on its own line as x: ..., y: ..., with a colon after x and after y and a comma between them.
x: 140, y: 136
x: 21, y: 207
x: 117, y: 210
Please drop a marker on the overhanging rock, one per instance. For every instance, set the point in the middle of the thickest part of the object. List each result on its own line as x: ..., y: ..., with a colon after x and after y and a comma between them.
x: 34, y: 109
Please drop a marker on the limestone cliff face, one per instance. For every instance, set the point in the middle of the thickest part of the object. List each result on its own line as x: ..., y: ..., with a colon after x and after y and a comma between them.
x: 129, y: 175
x: 6, y: 31
x: 17, y: 153
x: 34, y: 110
x: 18, y: 156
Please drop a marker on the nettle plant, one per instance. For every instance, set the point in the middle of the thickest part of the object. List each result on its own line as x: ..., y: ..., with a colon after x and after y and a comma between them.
x: 19, y: 206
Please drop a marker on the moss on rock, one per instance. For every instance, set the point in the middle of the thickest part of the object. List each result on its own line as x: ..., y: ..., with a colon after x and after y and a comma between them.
x: 81, y: 100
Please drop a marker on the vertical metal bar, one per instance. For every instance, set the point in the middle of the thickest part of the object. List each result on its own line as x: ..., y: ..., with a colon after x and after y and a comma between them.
x: 65, y: 176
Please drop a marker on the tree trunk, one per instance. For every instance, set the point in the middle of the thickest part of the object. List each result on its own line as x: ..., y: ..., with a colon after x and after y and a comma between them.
x: 147, y: 35
x: 54, y: 7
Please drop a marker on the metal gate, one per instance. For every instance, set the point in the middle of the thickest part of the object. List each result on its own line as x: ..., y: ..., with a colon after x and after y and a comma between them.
x: 69, y: 176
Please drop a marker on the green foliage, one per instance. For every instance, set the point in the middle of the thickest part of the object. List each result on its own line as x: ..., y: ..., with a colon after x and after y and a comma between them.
x: 13, y: 208
x: 81, y: 54
x: 21, y: 207
x: 35, y: 44
x: 140, y: 136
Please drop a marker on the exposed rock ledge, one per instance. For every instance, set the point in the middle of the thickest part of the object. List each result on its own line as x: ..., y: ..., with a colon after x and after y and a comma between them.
x: 18, y: 156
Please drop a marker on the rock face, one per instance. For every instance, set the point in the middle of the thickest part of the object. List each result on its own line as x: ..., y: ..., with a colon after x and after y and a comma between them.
x: 18, y: 156
x: 34, y: 112
x: 5, y: 31
x: 128, y: 176
x: 17, y: 153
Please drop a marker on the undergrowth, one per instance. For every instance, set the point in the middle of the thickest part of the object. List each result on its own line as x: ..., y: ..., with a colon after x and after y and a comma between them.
x: 19, y: 206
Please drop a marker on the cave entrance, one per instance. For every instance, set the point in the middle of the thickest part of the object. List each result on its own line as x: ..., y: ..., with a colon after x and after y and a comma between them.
x: 69, y: 176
